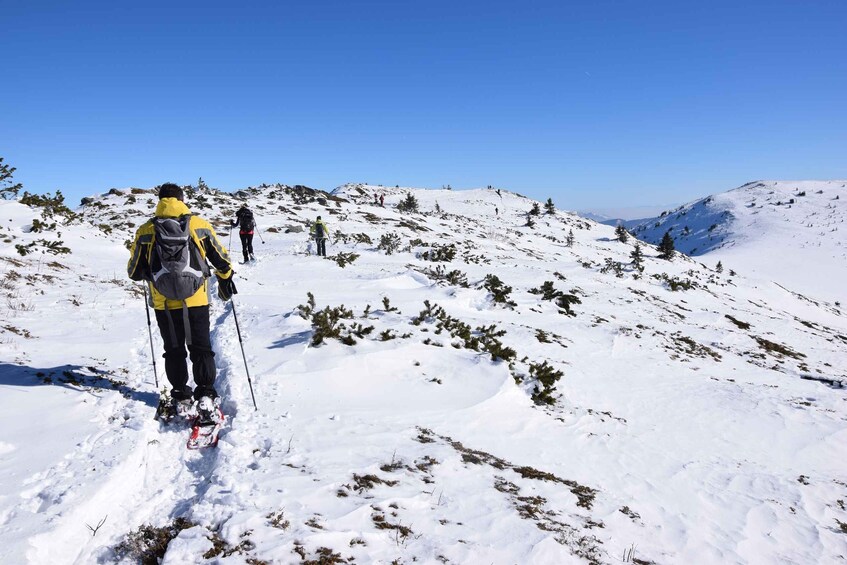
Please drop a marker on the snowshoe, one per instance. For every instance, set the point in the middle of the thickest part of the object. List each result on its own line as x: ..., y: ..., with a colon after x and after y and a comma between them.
x: 165, y: 411
x: 206, y: 424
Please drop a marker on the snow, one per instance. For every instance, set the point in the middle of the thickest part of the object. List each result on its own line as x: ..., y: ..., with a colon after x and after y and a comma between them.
x: 676, y: 433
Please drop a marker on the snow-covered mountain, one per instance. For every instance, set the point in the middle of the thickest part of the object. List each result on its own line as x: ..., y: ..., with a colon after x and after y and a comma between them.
x: 484, y: 392
x: 614, y: 216
x: 792, y: 232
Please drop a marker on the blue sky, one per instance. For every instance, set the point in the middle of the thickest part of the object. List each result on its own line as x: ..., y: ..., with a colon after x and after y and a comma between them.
x: 592, y: 103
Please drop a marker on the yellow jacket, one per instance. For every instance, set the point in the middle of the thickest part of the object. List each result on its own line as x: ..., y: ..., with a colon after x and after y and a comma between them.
x: 313, y: 229
x: 204, y: 236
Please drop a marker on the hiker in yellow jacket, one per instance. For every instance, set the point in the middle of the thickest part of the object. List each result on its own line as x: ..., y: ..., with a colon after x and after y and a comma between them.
x: 170, y: 253
x: 320, y: 232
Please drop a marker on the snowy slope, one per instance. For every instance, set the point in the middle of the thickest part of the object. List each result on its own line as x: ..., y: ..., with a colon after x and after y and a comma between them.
x: 689, y: 426
x: 775, y: 230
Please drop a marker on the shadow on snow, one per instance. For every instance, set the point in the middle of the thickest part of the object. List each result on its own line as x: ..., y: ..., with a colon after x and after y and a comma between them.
x: 74, y: 377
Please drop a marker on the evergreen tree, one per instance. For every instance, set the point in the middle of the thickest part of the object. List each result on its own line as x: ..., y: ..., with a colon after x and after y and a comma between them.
x: 530, y: 223
x: 408, y: 204
x: 569, y: 239
x: 666, y: 247
x: 549, y: 206
x: 536, y: 209
x: 719, y: 267
x: 437, y: 208
x: 637, y: 257
x: 201, y: 184
x: 8, y: 191
x: 621, y: 233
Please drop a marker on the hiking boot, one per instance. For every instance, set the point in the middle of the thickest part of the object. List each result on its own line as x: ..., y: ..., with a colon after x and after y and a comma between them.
x: 208, y: 410
x: 252, y: 257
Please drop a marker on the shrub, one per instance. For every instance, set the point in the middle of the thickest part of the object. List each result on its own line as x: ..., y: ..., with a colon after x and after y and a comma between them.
x: 344, y: 259
x: 389, y: 242
x: 148, y: 544
x: 547, y: 291
x: 546, y: 377
x: 305, y: 310
x: 499, y: 291
x: 386, y: 305
x: 327, y: 324
x: 445, y: 253
x: 8, y: 191
x: 454, y: 277
x: 483, y: 338
x: 564, y: 302
x: 51, y: 205
x: 612, y: 266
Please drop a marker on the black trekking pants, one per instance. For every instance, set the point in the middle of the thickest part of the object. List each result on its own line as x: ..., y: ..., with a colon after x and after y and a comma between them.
x: 202, y: 356
x: 321, y: 241
x: 246, y: 245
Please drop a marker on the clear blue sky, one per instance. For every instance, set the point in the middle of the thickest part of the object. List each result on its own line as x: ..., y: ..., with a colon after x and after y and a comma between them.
x: 594, y: 103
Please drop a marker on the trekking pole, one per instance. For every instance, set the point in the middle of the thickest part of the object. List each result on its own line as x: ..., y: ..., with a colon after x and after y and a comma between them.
x: 150, y: 333
x: 246, y: 368
x: 229, y: 245
x: 260, y: 235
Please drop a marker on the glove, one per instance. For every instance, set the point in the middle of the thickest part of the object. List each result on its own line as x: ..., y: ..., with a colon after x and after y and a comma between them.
x: 226, y: 288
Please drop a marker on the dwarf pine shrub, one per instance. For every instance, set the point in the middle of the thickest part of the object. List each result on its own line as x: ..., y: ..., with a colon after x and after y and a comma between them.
x: 546, y: 377
x: 55, y: 247
x: 612, y: 266
x: 499, y: 291
x: 483, y: 339
x: 343, y: 259
x: 389, y: 242
x: 386, y: 305
x: 564, y: 302
x: 442, y: 253
x: 675, y: 283
x: 454, y: 277
x: 547, y: 291
x: 327, y: 324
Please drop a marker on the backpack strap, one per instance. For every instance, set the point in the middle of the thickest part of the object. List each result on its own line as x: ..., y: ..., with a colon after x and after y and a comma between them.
x: 186, y: 324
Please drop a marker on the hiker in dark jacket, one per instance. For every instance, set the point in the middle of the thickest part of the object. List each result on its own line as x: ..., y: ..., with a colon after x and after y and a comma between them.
x: 246, y: 224
x: 184, y: 321
x: 320, y: 232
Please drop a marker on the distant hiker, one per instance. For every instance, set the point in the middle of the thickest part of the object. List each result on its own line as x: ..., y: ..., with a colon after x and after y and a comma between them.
x: 246, y: 224
x: 376, y: 199
x: 170, y: 253
x: 320, y: 232
x: 496, y: 211
x: 498, y: 193
x: 382, y: 200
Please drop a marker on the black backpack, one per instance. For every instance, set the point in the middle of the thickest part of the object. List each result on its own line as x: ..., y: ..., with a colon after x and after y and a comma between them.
x: 178, y: 269
x: 246, y: 222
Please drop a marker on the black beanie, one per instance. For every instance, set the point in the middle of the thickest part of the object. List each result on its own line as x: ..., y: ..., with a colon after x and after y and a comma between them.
x: 170, y: 190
